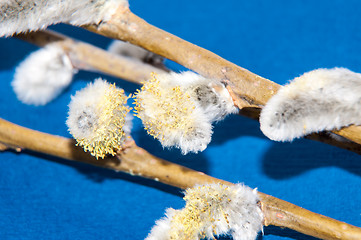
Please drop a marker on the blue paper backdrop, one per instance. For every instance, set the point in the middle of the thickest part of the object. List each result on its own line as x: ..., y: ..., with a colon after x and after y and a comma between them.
x: 48, y: 198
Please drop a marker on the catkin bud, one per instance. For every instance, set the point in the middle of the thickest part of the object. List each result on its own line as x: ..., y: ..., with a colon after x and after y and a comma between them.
x: 323, y: 99
x: 43, y: 75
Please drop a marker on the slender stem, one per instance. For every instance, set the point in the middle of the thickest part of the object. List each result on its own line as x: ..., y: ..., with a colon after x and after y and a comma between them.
x: 137, y: 161
x: 245, y: 85
x: 87, y: 57
x: 247, y: 89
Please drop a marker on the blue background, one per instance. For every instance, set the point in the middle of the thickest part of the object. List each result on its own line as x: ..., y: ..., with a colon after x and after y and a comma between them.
x: 42, y: 197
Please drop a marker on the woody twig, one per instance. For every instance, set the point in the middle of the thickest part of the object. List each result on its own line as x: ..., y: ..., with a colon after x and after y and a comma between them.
x: 137, y: 161
x: 248, y: 90
x: 87, y: 57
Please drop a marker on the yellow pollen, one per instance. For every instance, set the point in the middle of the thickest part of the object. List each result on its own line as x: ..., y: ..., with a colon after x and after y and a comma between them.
x: 163, y: 109
x: 108, y: 137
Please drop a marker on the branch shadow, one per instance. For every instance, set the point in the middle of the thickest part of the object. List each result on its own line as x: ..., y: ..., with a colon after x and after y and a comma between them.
x: 235, y: 126
x: 99, y: 175
x: 193, y: 161
x: 285, y: 160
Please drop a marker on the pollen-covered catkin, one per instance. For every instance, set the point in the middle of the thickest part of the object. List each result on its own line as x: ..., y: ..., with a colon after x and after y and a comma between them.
x: 212, y: 210
x: 178, y: 109
x: 43, y: 75
x: 30, y: 15
x: 323, y: 99
x: 98, y: 118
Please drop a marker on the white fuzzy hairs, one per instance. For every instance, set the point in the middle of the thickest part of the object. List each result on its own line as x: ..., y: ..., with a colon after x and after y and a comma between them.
x: 215, y: 104
x: 179, y: 108
x: 21, y: 16
x: 212, y: 210
x: 126, y: 49
x: 43, y: 75
x: 98, y: 118
x: 323, y: 99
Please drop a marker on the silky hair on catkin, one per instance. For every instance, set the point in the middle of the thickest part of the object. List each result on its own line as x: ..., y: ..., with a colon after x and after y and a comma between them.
x: 43, y: 75
x: 212, y: 210
x: 98, y: 118
x: 323, y: 99
x: 31, y: 15
x: 178, y: 109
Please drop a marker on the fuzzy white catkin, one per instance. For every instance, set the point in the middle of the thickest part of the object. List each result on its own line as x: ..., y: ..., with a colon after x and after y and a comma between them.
x: 323, y: 99
x: 178, y: 109
x: 43, y: 75
x: 126, y: 49
x: 98, y: 118
x: 21, y: 16
x: 215, y: 104
x: 212, y: 210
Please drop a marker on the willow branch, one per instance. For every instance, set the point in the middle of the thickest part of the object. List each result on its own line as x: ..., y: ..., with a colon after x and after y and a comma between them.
x: 247, y: 89
x: 90, y: 58
x: 137, y: 161
x: 87, y: 57
x: 245, y: 85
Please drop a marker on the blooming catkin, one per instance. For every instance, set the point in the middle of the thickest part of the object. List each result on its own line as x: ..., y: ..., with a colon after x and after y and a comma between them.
x: 98, y: 118
x: 43, y: 75
x: 30, y: 15
x: 178, y: 109
x: 323, y: 99
x: 212, y: 210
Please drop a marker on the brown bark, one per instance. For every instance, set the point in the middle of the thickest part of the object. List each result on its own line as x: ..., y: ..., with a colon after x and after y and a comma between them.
x: 87, y: 57
x: 137, y: 161
x: 247, y: 89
